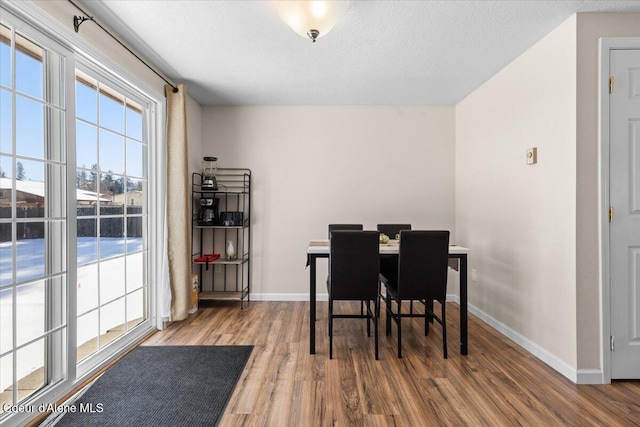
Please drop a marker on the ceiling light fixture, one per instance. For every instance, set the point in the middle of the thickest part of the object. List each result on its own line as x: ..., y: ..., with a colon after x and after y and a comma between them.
x: 313, y: 18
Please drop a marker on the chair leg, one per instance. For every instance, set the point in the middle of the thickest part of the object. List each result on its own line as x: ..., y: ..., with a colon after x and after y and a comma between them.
x: 426, y: 321
x: 389, y: 314
x: 375, y: 325
x: 411, y: 307
x: 399, y: 321
x: 329, y: 316
x: 330, y: 329
x: 430, y: 308
x: 427, y: 317
x: 444, y: 329
x: 329, y: 311
x: 368, y: 318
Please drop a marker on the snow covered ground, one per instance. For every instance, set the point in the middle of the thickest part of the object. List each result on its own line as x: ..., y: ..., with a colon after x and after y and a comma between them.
x: 114, y: 281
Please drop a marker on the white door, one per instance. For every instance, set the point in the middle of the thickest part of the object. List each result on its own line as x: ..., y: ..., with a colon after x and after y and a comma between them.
x: 624, y: 191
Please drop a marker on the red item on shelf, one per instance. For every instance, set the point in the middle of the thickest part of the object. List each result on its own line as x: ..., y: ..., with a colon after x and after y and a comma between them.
x: 207, y: 258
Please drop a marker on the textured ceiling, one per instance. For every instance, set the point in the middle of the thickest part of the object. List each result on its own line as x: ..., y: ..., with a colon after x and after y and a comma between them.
x: 381, y: 53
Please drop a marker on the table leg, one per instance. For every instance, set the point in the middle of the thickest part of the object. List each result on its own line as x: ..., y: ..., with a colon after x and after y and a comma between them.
x: 312, y: 304
x: 463, y: 305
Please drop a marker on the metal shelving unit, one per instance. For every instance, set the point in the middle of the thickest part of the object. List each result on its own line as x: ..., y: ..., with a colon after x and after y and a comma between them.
x: 223, y: 279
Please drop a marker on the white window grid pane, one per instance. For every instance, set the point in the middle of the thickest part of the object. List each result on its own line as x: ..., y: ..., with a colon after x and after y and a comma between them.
x: 135, y: 274
x: 26, y: 56
x: 113, y: 321
x: 5, y: 71
x: 6, y: 321
x: 7, y: 372
x: 87, y: 330
x: 87, y: 288
x: 135, y: 307
x: 30, y: 311
x: 6, y: 126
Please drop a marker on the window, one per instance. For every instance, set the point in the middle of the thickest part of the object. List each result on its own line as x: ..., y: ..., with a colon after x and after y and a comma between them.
x: 78, y: 263
x: 111, y: 184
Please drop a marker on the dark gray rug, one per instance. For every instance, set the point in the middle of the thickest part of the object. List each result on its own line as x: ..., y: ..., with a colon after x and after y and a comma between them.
x: 162, y: 386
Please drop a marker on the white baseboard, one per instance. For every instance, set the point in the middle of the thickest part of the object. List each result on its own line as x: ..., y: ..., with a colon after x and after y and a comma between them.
x: 453, y: 298
x: 287, y: 297
x: 579, y: 376
x: 590, y: 376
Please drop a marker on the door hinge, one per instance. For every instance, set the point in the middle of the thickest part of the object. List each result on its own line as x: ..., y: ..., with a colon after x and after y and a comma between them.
x: 610, y: 213
x: 612, y: 343
x: 612, y: 84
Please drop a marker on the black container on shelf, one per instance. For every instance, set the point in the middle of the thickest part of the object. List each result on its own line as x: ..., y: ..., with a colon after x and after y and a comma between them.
x: 231, y: 219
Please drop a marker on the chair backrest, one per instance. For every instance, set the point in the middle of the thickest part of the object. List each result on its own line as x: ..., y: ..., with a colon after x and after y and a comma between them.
x: 422, y: 265
x: 342, y: 227
x: 392, y: 229
x: 354, y: 265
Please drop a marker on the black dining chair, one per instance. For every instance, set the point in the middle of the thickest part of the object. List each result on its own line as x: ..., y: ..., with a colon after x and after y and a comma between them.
x: 345, y: 227
x: 354, y: 275
x: 422, y: 275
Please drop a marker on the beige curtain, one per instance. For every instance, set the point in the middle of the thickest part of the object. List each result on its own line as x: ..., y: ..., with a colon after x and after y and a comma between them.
x: 178, y: 203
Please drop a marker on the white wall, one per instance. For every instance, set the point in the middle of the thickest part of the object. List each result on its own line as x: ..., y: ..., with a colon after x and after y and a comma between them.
x: 194, y: 133
x: 318, y: 165
x: 194, y: 138
x: 519, y: 220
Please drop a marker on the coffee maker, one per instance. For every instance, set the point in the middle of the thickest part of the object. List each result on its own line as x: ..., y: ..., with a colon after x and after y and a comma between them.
x: 208, y: 214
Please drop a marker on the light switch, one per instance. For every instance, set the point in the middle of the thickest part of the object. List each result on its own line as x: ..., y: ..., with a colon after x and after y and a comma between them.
x: 532, y: 156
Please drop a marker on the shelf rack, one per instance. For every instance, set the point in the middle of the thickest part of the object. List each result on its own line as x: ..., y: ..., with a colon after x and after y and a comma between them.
x: 223, y: 279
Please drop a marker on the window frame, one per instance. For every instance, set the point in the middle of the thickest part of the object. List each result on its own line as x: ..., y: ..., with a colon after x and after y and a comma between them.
x: 86, y: 66
x: 57, y: 373
x: 34, y: 22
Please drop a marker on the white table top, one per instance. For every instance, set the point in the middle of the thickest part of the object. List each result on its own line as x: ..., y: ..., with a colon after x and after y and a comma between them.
x: 321, y: 247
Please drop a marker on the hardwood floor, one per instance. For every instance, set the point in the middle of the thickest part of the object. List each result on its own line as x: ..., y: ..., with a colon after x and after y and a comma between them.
x: 497, y: 384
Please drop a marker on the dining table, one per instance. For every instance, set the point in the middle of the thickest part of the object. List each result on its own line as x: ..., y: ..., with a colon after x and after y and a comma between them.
x: 457, y: 259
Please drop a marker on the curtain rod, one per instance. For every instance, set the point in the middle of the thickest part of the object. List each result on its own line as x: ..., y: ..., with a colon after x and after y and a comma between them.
x: 77, y: 20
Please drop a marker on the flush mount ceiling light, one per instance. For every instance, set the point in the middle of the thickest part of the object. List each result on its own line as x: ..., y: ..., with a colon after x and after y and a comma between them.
x: 313, y: 18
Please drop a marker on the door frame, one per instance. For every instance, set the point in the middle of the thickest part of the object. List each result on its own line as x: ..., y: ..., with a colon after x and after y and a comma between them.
x: 606, y: 45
